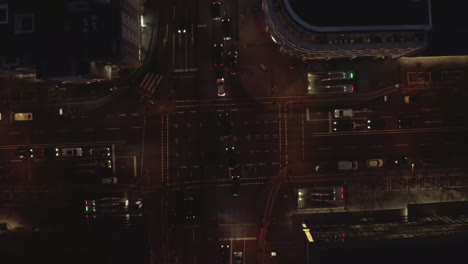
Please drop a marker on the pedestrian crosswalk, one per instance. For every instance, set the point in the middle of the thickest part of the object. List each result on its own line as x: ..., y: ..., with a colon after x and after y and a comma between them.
x: 149, y: 84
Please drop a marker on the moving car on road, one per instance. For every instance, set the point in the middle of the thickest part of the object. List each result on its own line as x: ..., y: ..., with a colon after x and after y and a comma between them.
x: 405, y: 122
x: 49, y: 153
x: 218, y: 53
x: 189, y: 208
x: 347, y: 165
x: 237, y: 257
x: 226, y: 23
x: 410, y: 99
x: 343, y: 113
x: 220, y: 85
x: 109, y: 180
x: 231, y: 154
x: 344, y: 125
x: 374, y: 163
x: 225, y: 252
x: 72, y: 152
x: 216, y: 10
x: 24, y: 152
x: 376, y: 123
x: 100, y: 152
x: 233, y: 62
x: 235, y: 185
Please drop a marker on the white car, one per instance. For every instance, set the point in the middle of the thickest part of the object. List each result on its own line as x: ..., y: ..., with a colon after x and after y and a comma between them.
x: 347, y: 165
x: 220, y: 84
x: 72, y: 152
x: 343, y: 113
x: 374, y: 163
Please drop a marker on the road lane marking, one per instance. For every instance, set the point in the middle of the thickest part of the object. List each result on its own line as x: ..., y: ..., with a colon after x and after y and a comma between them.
x: 401, y: 145
x: 349, y: 147
x: 433, y: 122
x: 122, y: 115
x: 87, y: 129
x: 327, y: 148
x: 202, y: 26
x: 135, y: 114
x: 15, y: 133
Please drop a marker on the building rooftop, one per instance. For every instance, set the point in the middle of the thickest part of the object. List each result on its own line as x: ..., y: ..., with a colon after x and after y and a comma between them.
x: 388, y: 15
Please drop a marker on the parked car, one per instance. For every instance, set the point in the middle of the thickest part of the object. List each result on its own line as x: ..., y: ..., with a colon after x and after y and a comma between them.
x: 72, y: 152
x: 347, y: 165
x: 49, y: 153
x: 105, y: 164
x: 233, y: 63
x: 374, y: 163
x: 100, y: 152
x: 343, y: 113
x: 339, y: 75
x: 220, y: 85
x: 376, y: 123
x: 226, y: 23
x: 24, y: 152
x: 216, y: 10
x: 344, y: 125
x: 21, y: 116
x: 218, y: 53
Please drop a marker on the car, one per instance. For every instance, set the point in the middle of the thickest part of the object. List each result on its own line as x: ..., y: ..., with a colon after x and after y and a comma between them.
x: 72, y: 152
x: 50, y: 152
x: 344, y: 125
x: 347, y: 165
x: 218, y: 54
x: 343, y: 113
x: 100, y: 152
x: 24, y: 152
x: 21, y: 116
x: 189, y: 208
x: 220, y: 85
x: 233, y: 62
x: 342, y: 88
x: 225, y: 123
x: 405, y: 122
x: 181, y: 25
x: 374, y: 163
x: 410, y: 99
x: 376, y: 123
x: 339, y: 75
x: 216, y: 10
x: 225, y: 252
x: 235, y: 185
x: 226, y: 23
x: 109, y: 180
x: 400, y: 161
x: 237, y: 258
x: 231, y: 154
x: 105, y: 164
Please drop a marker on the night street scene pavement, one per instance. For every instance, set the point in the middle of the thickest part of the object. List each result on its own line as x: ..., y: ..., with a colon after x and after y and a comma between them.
x: 233, y: 131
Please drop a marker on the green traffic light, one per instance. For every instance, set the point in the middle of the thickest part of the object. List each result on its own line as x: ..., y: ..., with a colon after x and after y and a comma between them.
x: 352, y: 75
x: 86, y: 208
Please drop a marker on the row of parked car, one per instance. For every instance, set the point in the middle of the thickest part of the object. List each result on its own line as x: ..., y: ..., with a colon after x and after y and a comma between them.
x: 372, y: 163
x: 378, y: 123
x: 54, y: 152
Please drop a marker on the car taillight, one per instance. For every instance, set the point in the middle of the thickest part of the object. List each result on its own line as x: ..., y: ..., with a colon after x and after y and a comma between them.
x: 352, y: 88
x: 342, y: 193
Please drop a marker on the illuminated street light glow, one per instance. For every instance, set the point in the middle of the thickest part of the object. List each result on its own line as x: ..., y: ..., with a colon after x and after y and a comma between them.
x: 273, y: 38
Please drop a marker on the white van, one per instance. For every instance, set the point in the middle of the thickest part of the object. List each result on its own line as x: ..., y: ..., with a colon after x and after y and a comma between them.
x: 22, y: 116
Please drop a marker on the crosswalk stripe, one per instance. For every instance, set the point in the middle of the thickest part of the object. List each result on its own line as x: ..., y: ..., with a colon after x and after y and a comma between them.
x: 150, y: 82
x: 145, y: 79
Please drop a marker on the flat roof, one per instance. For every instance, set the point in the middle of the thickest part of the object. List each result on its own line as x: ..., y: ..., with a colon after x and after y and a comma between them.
x: 389, y: 15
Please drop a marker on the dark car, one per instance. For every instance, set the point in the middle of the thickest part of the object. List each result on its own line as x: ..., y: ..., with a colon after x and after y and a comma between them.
x: 181, y: 25
x: 225, y: 251
x: 376, y: 124
x: 235, y: 185
x: 24, y: 152
x: 400, y: 161
x: 226, y: 23
x: 405, y: 122
x: 100, y: 152
x: 225, y: 123
x: 233, y: 63
x: 216, y: 10
x: 104, y: 164
x: 189, y: 208
x: 231, y: 154
x: 344, y: 125
x: 218, y: 53
x: 50, y: 153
